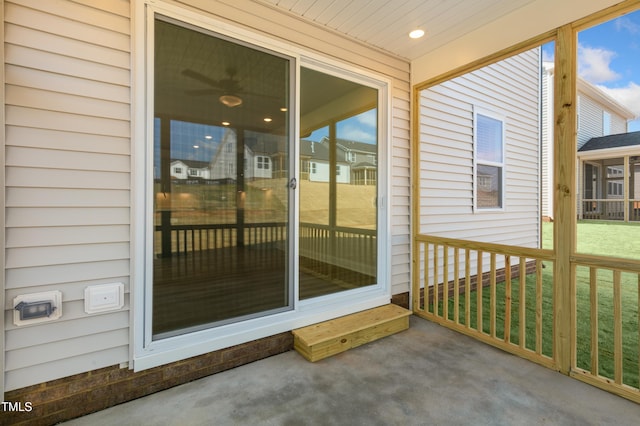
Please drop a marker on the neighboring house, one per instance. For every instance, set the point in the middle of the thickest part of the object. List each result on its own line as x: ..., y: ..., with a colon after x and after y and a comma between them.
x: 356, y: 161
x: 609, y: 175
x: 149, y: 296
x: 190, y: 169
x: 314, y: 162
x: 603, y: 148
x: 257, y: 157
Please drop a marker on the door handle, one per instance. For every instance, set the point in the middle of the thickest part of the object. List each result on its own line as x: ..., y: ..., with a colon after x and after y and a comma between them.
x: 293, y: 183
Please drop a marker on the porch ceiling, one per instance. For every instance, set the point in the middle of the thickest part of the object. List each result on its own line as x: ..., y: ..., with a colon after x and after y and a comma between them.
x: 386, y: 24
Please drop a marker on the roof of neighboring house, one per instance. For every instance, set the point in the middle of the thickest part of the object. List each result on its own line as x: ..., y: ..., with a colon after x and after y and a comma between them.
x: 357, y: 146
x: 612, y: 141
x: 193, y: 164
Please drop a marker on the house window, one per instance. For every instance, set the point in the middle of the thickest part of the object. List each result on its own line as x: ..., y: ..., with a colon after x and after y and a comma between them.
x: 177, y: 170
x: 351, y: 157
x: 606, y: 123
x: 193, y: 172
x: 314, y: 168
x: 338, y: 170
x: 489, y: 156
x: 262, y: 162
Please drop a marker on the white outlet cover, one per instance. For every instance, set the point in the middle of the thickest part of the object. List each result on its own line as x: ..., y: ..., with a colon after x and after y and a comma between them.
x: 103, y: 298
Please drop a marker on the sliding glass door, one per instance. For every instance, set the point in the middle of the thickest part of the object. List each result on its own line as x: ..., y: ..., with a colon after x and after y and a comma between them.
x: 220, y: 180
x: 338, y: 184
x: 227, y: 192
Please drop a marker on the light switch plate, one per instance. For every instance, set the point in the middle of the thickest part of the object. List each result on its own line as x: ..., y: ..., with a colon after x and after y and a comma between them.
x: 103, y: 298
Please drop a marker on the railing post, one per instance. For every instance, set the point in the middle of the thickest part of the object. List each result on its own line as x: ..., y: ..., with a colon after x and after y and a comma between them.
x: 564, y: 236
x: 625, y: 188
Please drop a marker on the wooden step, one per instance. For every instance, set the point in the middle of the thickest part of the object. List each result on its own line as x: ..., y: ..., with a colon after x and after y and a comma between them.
x: 328, y: 338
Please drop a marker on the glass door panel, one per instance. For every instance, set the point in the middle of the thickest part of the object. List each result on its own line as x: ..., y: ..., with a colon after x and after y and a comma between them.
x: 220, y: 174
x: 338, y: 184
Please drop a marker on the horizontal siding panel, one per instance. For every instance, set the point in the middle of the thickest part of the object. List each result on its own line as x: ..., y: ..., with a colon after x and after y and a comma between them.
x: 25, y: 117
x: 66, y: 216
x: 64, y: 255
x: 48, y: 158
x: 117, y: 7
x: 45, y: 333
x: 34, y: 39
x: 61, y: 102
x: 29, y: 177
x: 37, y: 79
x: 40, y: 60
x: 61, y: 140
x: 55, y: 197
x: 57, y: 274
x: 102, y: 29
x: 65, y: 367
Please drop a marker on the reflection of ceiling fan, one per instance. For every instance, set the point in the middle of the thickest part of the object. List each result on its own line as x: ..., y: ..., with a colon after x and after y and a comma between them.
x: 229, y: 87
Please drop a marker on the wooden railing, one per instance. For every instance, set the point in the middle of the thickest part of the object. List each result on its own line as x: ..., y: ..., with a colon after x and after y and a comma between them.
x: 501, y: 295
x: 607, y: 326
x: 190, y: 238
x: 610, y: 209
x: 351, y: 249
x: 354, y: 249
x: 514, y: 288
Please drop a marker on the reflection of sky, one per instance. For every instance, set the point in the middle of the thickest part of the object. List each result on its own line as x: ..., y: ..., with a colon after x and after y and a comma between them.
x: 185, y: 137
x: 359, y: 128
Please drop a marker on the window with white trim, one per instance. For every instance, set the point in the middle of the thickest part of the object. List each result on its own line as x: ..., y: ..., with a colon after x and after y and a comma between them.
x: 489, y: 162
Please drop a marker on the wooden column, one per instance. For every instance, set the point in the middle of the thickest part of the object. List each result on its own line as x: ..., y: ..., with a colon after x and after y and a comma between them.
x: 564, y: 237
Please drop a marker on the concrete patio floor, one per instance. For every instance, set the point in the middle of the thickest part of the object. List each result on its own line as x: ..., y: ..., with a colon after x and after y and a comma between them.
x: 427, y: 375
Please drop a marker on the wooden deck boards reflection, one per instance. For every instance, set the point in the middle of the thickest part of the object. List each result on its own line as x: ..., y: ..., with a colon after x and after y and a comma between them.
x: 203, y: 287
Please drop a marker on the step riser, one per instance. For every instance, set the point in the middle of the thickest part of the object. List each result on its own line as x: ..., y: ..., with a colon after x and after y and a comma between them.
x: 323, y: 340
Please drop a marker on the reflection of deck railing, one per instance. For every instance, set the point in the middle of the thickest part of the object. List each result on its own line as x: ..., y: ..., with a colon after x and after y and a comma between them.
x: 608, y: 209
x: 348, y: 248
x: 354, y: 249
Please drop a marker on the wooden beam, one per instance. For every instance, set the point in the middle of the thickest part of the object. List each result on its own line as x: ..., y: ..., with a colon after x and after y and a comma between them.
x: 564, y: 236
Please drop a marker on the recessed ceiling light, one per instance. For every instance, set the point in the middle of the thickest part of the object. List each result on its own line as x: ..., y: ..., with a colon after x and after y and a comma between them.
x: 283, y: 109
x: 225, y: 123
x: 196, y: 146
x: 268, y: 119
x: 208, y: 137
x: 416, y: 33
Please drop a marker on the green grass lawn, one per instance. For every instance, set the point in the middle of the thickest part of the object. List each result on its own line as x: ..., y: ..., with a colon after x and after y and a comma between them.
x: 601, y: 238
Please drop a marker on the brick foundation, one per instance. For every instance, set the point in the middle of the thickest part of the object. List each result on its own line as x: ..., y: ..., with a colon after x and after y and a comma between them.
x: 85, y: 393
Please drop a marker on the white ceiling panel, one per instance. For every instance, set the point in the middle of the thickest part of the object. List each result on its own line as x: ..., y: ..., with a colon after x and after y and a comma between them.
x: 385, y: 24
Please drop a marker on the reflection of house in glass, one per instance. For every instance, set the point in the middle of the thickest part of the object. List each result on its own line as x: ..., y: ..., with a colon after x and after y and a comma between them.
x: 355, y: 161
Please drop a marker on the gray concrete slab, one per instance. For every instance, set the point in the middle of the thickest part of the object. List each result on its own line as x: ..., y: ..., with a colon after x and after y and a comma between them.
x: 427, y: 375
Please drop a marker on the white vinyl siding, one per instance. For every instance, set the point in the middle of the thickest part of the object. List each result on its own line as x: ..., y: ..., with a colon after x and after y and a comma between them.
x: 590, y: 120
x: 68, y: 173
x: 547, y: 142
x: 67, y: 180
x: 509, y: 89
